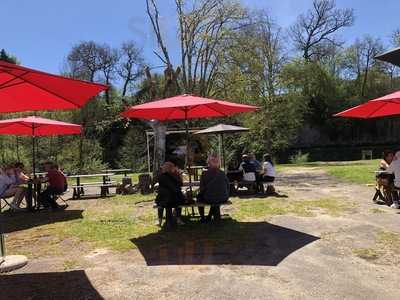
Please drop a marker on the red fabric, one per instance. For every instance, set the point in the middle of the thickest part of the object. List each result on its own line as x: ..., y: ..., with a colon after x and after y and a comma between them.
x: 196, y: 107
x: 388, y: 105
x: 56, y: 179
x: 23, y: 89
x: 36, y: 126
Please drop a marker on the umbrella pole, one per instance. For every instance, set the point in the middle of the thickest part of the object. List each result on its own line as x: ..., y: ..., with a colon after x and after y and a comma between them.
x: 187, y: 153
x: 223, y: 152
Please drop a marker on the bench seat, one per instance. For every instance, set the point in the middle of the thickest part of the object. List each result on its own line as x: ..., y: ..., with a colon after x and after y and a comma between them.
x: 197, y: 204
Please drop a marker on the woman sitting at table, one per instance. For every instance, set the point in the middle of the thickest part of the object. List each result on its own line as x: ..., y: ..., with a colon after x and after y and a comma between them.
x: 170, y: 194
x: 268, y: 176
x: 394, y: 168
x: 214, y: 189
x: 388, y: 156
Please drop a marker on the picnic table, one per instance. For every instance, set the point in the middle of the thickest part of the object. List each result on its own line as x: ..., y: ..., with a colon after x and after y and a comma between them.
x: 196, y: 171
x: 104, y: 185
x: 116, y: 171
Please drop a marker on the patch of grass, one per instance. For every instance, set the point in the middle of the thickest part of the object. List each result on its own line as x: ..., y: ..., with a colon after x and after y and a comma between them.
x: 367, y: 253
x: 117, y: 177
x: 264, y: 208
x: 70, y: 264
x: 377, y: 211
x: 390, y: 240
x: 360, y: 171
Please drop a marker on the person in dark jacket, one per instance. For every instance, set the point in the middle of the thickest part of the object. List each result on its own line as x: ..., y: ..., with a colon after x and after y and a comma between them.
x: 170, y: 194
x: 214, y: 189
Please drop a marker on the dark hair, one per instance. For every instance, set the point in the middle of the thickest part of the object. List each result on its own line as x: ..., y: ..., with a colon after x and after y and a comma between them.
x: 19, y: 165
x: 267, y: 157
x: 386, y: 153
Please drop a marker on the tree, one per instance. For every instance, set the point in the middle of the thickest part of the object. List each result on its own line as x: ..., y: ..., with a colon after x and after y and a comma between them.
x: 7, y: 57
x: 360, y: 59
x: 203, y: 27
x: 131, y: 65
x: 314, y: 31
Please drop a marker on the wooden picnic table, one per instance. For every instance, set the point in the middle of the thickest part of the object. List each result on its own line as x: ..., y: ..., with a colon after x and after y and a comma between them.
x: 196, y: 171
x: 115, y: 171
x: 78, y: 189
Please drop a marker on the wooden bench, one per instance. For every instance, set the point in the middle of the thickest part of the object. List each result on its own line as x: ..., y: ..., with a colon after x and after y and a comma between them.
x: 195, y: 204
x: 78, y: 190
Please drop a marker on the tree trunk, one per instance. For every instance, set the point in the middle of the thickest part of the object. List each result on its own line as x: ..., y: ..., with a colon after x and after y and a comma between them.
x: 160, y: 133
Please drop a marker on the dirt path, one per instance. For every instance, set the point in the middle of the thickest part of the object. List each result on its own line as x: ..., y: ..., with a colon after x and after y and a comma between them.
x: 321, y: 257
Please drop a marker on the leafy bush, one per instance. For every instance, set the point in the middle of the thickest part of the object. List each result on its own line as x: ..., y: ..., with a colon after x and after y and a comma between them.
x: 299, y: 158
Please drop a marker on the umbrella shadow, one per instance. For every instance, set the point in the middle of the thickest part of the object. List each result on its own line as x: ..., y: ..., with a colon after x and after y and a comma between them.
x: 229, y: 242
x: 11, y: 222
x: 60, y: 285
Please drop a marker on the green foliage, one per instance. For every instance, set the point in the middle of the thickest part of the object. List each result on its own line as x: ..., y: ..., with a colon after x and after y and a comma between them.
x: 299, y: 158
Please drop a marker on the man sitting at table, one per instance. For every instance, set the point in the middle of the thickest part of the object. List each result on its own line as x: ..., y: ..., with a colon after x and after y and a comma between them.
x: 248, y: 168
x: 9, y: 187
x: 57, y: 184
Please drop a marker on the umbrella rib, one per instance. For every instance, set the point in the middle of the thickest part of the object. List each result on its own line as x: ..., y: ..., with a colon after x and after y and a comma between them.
x: 42, y: 88
x: 383, y: 104
x: 4, y: 84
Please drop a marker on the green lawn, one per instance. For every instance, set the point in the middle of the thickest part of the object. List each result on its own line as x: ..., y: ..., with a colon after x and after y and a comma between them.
x: 117, y: 178
x: 361, y: 171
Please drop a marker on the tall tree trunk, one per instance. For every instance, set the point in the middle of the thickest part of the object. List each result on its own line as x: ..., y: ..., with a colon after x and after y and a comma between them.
x: 160, y: 133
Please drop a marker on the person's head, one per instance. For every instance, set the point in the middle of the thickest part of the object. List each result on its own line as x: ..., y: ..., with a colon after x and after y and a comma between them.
x: 47, y: 166
x: 252, y: 156
x: 245, y: 157
x: 267, y: 157
x: 168, y: 167
x: 388, y: 156
x: 9, y: 169
x: 213, y: 162
x: 19, y: 166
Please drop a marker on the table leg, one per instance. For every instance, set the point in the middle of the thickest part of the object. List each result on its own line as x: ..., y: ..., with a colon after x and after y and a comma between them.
x: 29, y: 197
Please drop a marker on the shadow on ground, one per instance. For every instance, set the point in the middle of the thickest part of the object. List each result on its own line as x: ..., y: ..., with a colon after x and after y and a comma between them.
x: 228, y: 242
x: 62, y: 285
x: 11, y: 222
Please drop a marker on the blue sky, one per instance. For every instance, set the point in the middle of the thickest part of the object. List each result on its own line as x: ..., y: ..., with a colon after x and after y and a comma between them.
x: 41, y: 32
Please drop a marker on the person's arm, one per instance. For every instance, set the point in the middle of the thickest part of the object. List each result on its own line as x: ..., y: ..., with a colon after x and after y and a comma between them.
x: 390, y: 168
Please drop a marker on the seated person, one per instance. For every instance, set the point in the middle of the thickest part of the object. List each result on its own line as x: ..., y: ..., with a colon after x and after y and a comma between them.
x: 255, y: 162
x: 57, y: 184
x: 388, y: 156
x: 214, y: 189
x: 170, y: 194
x: 248, y: 169
x: 394, y: 168
x: 9, y: 187
x: 268, y: 173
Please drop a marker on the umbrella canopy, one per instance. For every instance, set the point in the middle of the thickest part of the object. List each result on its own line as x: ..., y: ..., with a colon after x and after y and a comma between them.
x: 185, y: 107
x: 24, y: 89
x: 222, y: 128
x: 36, y: 126
x: 388, y: 105
x: 391, y: 56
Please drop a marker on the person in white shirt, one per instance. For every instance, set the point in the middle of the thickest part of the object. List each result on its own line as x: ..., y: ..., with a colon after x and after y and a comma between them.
x: 9, y: 187
x: 269, y: 173
x: 394, y: 168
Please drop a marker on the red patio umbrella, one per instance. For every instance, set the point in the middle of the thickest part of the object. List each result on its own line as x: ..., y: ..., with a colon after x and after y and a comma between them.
x: 36, y: 126
x: 388, y: 105
x: 24, y: 89
x: 185, y: 107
